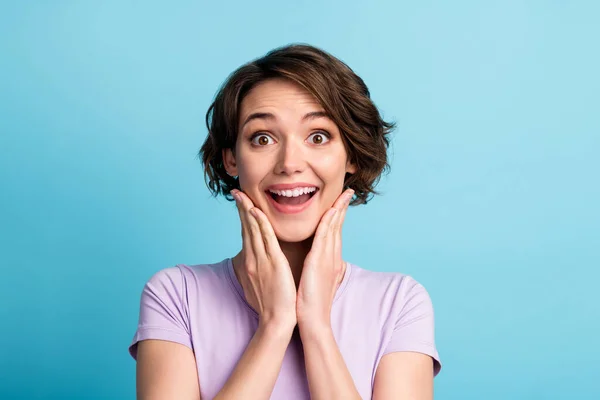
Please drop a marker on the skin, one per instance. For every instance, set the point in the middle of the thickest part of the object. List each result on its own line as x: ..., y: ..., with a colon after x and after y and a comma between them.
x: 290, y: 266
x: 291, y: 156
x: 308, y: 244
x: 282, y: 252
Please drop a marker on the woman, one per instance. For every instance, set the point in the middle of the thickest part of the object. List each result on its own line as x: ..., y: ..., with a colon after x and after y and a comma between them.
x: 294, y: 139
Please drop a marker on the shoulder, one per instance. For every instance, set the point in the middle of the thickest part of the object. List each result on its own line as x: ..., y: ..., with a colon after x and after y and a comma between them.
x: 385, y: 283
x: 170, y: 299
x: 186, y: 284
x: 182, y: 275
x: 404, y: 309
x: 390, y: 294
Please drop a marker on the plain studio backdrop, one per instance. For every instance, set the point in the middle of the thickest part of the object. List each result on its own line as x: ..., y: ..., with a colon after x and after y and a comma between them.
x: 492, y: 201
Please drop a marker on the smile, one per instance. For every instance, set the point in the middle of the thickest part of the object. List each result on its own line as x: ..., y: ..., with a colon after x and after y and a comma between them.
x: 291, y: 200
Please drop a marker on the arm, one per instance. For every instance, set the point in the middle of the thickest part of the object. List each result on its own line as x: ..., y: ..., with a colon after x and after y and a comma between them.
x: 167, y: 370
x: 323, y: 271
x: 327, y: 373
x: 162, y: 347
x: 404, y: 375
x: 410, y: 360
x: 255, y: 374
x: 400, y: 375
x: 269, y: 287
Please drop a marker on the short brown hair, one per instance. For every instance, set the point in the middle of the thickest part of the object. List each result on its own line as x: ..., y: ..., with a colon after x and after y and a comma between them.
x: 342, y: 94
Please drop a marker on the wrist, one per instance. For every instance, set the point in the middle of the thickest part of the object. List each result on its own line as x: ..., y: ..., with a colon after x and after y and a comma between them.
x: 276, y: 325
x: 314, y: 320
x: 312, y: 329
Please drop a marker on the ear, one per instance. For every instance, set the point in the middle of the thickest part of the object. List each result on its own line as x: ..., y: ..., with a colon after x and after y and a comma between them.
x: 229, y: 162
x: 350, y: 167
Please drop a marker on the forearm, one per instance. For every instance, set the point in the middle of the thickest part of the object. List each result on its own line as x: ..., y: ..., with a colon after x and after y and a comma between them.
x: 256, y: 372
x: 327, y: 373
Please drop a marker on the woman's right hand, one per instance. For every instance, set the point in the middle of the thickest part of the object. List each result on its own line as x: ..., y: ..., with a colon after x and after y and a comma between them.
x: 265, y: 273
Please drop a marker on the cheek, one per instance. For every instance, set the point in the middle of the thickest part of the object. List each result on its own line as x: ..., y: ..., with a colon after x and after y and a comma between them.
x: 252, y: 173
x: 251, y: 170
x: 332, y: 167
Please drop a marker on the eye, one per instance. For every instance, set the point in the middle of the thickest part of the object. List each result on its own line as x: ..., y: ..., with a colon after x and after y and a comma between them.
x: 319, y: 137
x: 261, y: 139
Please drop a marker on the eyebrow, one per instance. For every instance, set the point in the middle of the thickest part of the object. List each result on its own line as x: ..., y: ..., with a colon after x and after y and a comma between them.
x: 309, y: 116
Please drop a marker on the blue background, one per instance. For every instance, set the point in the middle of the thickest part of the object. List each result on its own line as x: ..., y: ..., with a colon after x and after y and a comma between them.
x: 492, y: 202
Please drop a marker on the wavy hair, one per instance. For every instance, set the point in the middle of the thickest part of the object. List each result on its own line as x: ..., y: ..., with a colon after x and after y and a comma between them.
x: 341, y: 92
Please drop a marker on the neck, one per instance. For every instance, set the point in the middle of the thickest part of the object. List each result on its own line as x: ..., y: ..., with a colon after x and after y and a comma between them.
x: 295, y: 252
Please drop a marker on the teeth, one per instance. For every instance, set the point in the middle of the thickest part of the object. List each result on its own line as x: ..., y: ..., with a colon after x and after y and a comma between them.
x: 295, y: 192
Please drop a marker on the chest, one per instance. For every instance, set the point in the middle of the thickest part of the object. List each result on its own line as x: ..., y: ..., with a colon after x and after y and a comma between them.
x: 219, y: 346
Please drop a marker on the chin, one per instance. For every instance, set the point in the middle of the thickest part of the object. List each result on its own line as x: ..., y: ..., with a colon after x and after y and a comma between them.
x: 294, y: 233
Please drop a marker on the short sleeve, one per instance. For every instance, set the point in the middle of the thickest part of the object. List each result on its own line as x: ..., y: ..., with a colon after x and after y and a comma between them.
x: 163, y: 313
x: 414, y: 327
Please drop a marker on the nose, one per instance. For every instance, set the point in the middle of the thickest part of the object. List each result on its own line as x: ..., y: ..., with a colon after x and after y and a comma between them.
x: 291, y: 158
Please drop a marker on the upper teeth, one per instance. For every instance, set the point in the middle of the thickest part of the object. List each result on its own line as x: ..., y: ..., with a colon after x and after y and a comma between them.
x: 294, y: 192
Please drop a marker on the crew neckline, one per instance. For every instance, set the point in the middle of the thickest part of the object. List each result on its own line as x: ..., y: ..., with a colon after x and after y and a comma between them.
x: 237, y: 287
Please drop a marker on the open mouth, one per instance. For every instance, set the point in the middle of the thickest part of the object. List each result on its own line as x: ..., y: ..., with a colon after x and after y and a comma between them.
x: 291, y: 198
x: 294, y: 197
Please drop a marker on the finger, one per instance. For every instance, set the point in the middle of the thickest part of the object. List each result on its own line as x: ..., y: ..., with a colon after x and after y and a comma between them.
x: 245, y: 200
x: 268, y: 234
x: 346, y: 203
x: 256, y: 239
x: 239, y: 206
x: 342, y: 199
x: 338, y: 237
x: 333, y: 240
x: 329, y: 240
x: 340, y: 204
x: 246, y: 235
x: 323, y: 229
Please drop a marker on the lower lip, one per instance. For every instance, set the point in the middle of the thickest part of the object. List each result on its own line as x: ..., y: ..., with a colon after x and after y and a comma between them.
x: 289, y: 208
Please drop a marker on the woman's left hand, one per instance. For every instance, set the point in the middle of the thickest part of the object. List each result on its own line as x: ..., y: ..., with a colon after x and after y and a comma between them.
x: 323, y: 268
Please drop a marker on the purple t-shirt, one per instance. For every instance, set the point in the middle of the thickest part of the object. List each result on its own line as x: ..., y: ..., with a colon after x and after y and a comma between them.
x: 203, y: 307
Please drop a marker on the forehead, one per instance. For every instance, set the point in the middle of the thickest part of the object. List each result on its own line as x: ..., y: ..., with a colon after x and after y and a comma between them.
x: 279, y: 95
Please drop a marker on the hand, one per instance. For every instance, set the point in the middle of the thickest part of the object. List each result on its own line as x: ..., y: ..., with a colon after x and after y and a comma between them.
x: 265, y: 275
x: 323, y: 268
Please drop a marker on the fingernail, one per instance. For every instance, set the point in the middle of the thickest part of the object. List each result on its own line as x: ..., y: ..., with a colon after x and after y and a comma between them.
x: 253, y: 212
x: 235, y: 195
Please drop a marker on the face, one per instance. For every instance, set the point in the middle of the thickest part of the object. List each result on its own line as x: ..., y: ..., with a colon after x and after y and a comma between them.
x: 289, y: 157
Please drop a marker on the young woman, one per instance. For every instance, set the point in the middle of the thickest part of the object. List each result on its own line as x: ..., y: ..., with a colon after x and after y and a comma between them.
x: 294, y: 139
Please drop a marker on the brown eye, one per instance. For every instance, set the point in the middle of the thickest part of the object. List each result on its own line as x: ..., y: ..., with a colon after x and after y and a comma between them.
x: 261, y: 140
x: 319, y: 138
